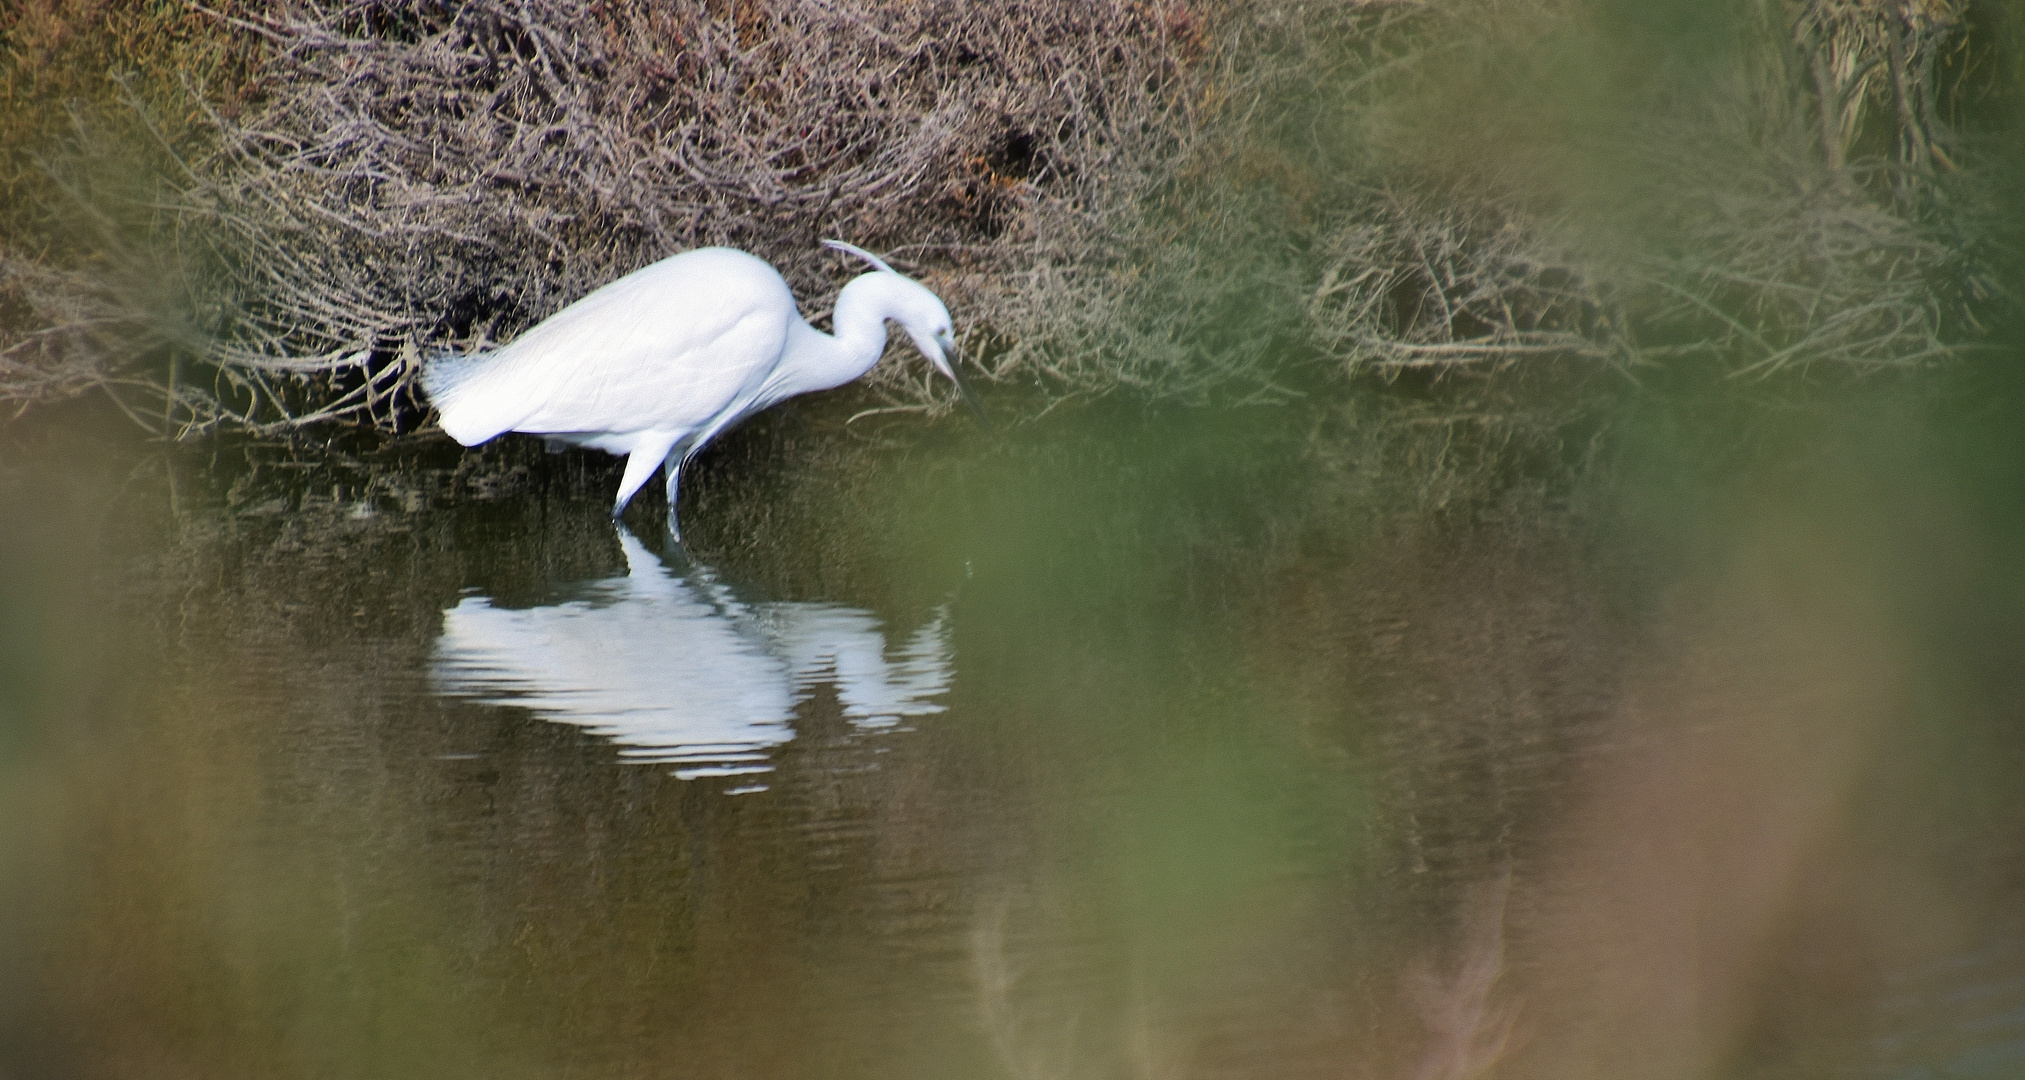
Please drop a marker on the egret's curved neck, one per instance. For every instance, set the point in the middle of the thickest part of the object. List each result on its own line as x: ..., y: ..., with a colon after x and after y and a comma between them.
x: 819, y: 361
x: 859, y: 321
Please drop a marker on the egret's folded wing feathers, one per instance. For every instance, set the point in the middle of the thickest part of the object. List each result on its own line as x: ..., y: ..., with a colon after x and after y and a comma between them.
x: 659, y: 349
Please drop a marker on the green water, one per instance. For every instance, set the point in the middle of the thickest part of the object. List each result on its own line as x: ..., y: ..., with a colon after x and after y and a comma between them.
x: 1310, y: 741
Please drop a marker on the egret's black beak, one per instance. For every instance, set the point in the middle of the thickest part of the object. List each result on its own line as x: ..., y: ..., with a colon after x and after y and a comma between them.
x: 955, y: 360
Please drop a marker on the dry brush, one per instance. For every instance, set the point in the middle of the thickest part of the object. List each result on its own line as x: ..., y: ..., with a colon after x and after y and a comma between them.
x: 1155, y: 197
x: 1805, y: 186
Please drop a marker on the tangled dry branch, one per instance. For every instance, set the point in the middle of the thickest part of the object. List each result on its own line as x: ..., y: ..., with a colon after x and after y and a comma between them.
x: 1422, y: 282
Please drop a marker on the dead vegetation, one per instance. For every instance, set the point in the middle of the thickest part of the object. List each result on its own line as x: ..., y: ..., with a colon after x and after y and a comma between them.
x: 67, y: 336
x: 1159, y: 198
x: 445, y: 176
x: 1808, y: 191
x: 95, y: 96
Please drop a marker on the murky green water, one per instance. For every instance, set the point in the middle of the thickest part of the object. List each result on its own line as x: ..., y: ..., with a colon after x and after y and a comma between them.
x: 1271, y: 743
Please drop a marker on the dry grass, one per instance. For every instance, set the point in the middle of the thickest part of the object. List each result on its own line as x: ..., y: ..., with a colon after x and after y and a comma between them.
x: 1420, y: 281
x: 59, y: 335
x: 434, y: 178
x: 1795, y: 198
x: 1159, y: 198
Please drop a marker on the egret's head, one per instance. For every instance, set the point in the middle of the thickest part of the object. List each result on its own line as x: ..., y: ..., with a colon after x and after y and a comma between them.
x: 922, y: 315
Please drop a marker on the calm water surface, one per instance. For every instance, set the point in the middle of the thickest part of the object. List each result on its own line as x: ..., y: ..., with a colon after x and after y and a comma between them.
x: 1261, y: 744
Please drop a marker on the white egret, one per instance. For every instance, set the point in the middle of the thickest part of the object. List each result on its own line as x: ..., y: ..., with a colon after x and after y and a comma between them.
x: 656, y: 364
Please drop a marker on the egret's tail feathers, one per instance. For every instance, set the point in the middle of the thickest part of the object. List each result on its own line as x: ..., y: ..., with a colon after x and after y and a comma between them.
x: 445, y: 373
x: 448, y: 378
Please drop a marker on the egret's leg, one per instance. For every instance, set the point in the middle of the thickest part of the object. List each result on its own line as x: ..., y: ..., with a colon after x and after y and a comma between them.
x: 640, y: 465
x: 673, y: 467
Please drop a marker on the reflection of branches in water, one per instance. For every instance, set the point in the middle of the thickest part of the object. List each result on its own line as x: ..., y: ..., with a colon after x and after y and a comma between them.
x: 1025, y: 1053
x: 1034, y: 1042
x: 1468, y: 1026
x: 1467, y: 1019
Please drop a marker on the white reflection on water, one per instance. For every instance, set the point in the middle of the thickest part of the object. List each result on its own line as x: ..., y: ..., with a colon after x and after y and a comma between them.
x: 677, y: 669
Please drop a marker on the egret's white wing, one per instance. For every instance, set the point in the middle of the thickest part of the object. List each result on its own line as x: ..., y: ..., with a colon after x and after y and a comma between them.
x: 650, y: 660
x: 663, y: 348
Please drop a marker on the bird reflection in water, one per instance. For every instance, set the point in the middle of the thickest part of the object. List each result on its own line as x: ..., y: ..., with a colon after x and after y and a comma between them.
x: 677, y: 669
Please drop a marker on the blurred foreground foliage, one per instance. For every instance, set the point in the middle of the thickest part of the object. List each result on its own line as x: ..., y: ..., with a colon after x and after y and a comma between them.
x: 260, y: 215
x: 97, y: 98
